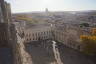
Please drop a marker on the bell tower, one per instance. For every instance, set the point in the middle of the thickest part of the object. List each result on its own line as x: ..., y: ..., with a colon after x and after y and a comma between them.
x: 46, y: 10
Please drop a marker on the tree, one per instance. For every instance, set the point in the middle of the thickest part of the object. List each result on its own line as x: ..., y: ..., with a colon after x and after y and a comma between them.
x: 89, y: 43
x: 93, y: 31
x: 84, y: 24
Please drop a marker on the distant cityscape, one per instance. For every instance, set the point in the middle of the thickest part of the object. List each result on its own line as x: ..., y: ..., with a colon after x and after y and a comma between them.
x: 62, y: 37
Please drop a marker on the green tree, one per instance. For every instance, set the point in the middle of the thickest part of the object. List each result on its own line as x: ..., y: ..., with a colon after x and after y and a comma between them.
x: 89, y: 44
x: 84, y: 24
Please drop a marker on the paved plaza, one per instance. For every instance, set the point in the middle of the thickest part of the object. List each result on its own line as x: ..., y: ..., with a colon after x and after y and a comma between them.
x: 60, y: 55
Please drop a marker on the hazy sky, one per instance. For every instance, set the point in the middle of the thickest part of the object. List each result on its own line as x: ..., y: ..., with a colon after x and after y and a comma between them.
x: 52, y: 5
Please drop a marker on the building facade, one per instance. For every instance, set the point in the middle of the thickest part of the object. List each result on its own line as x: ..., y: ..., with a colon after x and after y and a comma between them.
x: 8, y: 37
x: 5, y: 20
x: 38, y: 33
x: 68, y: 35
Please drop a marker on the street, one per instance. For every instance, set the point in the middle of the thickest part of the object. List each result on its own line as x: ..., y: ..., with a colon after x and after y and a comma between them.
x: 60, y: 55
x: 71, y: 56
x: 56, y: 53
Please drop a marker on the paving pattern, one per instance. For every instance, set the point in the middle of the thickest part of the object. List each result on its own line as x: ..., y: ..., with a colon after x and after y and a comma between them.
x: 40, y: 55
x: 71, y: 56
x: 60, y: 55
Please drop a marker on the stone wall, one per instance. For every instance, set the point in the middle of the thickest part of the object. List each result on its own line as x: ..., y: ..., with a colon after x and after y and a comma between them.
x: 8, y: 39
x: 20, y: 55
x: 69, y: 36
x: 3, y: 34
x: 14, y: 44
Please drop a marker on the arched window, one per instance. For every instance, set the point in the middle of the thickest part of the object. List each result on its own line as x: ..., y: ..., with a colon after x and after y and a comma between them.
x: 30, y: 39
x: 27, y: 39
x: 36, y: 34
x: 33, y: 36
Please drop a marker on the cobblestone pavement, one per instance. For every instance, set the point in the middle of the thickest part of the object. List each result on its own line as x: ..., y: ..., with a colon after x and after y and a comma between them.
x: 71, y: 56
x: 62, y: 54
x: 40, y: 55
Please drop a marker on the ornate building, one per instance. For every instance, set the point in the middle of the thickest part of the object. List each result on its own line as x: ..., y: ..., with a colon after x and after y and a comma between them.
x: 5, y: 22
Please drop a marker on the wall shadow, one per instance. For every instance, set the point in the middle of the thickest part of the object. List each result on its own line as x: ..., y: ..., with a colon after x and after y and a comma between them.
x: 6, y: 56
x: 39, y: 55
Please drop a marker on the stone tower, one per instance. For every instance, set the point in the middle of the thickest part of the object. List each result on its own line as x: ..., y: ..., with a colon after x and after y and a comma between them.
x: 7, y: 34
x: 46, y: 10
x: 5, y: 19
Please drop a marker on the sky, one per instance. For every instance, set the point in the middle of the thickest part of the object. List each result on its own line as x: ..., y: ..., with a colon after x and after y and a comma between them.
x: 18, y: 6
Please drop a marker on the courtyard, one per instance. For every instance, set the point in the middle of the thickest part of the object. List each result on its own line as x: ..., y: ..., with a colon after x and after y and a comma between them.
x: 56, y: 55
